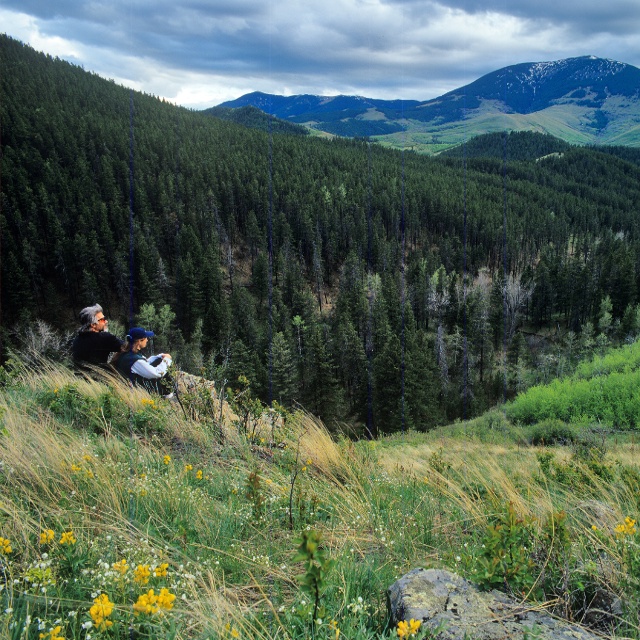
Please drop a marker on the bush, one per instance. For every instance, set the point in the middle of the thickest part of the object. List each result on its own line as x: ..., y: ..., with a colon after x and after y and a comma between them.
x: 552, y: 432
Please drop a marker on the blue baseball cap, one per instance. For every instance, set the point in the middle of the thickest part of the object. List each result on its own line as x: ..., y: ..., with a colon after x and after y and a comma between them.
x: 138, y: 333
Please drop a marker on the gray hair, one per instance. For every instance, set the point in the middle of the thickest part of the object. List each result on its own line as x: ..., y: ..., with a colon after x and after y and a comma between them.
x: 88, y: 315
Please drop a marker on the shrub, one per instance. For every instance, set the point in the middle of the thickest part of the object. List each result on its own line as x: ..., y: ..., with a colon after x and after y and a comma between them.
x: 551, y: 432
x: 505, y: 562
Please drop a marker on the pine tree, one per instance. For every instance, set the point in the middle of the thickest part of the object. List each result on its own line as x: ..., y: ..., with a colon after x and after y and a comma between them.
x: 321, y: 388
x: 284, y: 371
x: 387, y: 387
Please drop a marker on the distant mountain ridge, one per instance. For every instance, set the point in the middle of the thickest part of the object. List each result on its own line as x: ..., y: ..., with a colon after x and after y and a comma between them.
x: 529, y: 87
x: 582, y: 100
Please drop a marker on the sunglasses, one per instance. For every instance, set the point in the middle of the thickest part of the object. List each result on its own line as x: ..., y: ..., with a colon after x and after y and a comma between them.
x: 102, y: 320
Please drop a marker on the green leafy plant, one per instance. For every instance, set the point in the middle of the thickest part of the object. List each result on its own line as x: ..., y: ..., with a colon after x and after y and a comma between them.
x: 248, y: 408
x: 255, y: 494
x: 505, y: 562
x: 317, y: 565
x: 552, y: 431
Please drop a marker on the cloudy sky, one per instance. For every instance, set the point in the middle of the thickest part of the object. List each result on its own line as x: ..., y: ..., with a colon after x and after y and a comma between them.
x: 199, y: 53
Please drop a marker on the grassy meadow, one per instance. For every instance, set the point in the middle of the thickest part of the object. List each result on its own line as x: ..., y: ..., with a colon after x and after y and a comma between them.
x: 123, y: 516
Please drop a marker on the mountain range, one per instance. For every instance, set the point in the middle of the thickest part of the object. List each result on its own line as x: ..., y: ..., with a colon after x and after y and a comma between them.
x: 582, y: 100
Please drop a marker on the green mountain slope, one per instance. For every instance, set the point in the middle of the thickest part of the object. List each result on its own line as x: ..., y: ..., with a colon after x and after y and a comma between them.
x: 572, y: 123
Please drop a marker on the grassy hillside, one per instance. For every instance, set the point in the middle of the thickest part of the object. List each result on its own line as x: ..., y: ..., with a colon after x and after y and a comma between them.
x: 570, y: 123
x: 125, y: 516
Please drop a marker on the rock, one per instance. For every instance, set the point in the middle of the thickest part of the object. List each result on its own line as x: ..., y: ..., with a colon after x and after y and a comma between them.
x: 441, y: 599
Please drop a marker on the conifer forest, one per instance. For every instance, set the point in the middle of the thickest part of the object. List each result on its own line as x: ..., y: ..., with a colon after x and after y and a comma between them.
x: 377, y: 288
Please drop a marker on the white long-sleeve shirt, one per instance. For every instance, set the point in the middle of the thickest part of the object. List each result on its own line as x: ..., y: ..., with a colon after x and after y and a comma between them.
x: 148, y: 371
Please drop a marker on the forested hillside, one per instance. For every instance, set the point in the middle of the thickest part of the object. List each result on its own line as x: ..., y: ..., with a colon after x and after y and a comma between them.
x: 366, y: 317
x: 252, y: 117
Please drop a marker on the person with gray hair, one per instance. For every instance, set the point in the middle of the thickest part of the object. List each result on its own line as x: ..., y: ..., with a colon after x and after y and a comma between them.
x: 94, y: 344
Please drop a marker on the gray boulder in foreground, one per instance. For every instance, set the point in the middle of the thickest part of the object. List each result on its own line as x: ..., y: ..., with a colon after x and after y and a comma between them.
x: 437, y: 597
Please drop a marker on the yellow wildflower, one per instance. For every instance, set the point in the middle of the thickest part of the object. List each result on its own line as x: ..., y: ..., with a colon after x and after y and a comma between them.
x: 232, y: 630
x: 627, y: 528
x: 54, y: 634
x: 165, y: 599
x: 121, y: 567
x: 87, y: 458
x: 188, y: 467
x: 88, y: 473
x: 161, y: 570
x: 150, y: 603
x: 102, y: 608
x: 309, y: 461
x: 167, y: 459
x: 141, y: 574
x: 75, y: 468
x: 68, y: 538
x: 199, y: 474
x: 334, y: 625
x: 146, y: 603
x: 5, y: 546
x: 407, y: 629
x: 47, y: 536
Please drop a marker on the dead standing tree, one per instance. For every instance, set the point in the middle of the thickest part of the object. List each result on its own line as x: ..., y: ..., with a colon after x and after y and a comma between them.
x: 516, y: 296
x: 438, y: 304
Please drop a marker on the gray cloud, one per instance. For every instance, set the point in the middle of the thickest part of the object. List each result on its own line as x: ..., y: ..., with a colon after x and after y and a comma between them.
x: 201, y: 52
x: 586, y: 17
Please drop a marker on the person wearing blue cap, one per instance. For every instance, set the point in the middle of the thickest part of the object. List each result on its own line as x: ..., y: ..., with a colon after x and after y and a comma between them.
x: 135, y: 367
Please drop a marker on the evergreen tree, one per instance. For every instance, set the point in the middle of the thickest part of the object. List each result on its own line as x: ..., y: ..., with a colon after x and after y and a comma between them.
x: 284, y: 371
x: 321, y: 388
x: 422, y: 386
x: 387, y: 391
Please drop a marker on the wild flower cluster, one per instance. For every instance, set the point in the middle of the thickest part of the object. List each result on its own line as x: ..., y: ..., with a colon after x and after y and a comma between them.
x: 48, y: 576
x: 408, y: 629
x: 5, y: 546
x: 626, y: 528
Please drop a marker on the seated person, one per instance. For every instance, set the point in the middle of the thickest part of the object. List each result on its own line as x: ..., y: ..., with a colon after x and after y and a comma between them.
x: 138, y: 369
x: 94, y: 344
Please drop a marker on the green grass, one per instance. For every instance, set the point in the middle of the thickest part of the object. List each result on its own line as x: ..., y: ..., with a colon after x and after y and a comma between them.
x: 214, y: 516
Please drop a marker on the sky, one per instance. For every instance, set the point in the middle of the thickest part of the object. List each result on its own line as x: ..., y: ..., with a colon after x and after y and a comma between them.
x: 200, y: 53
